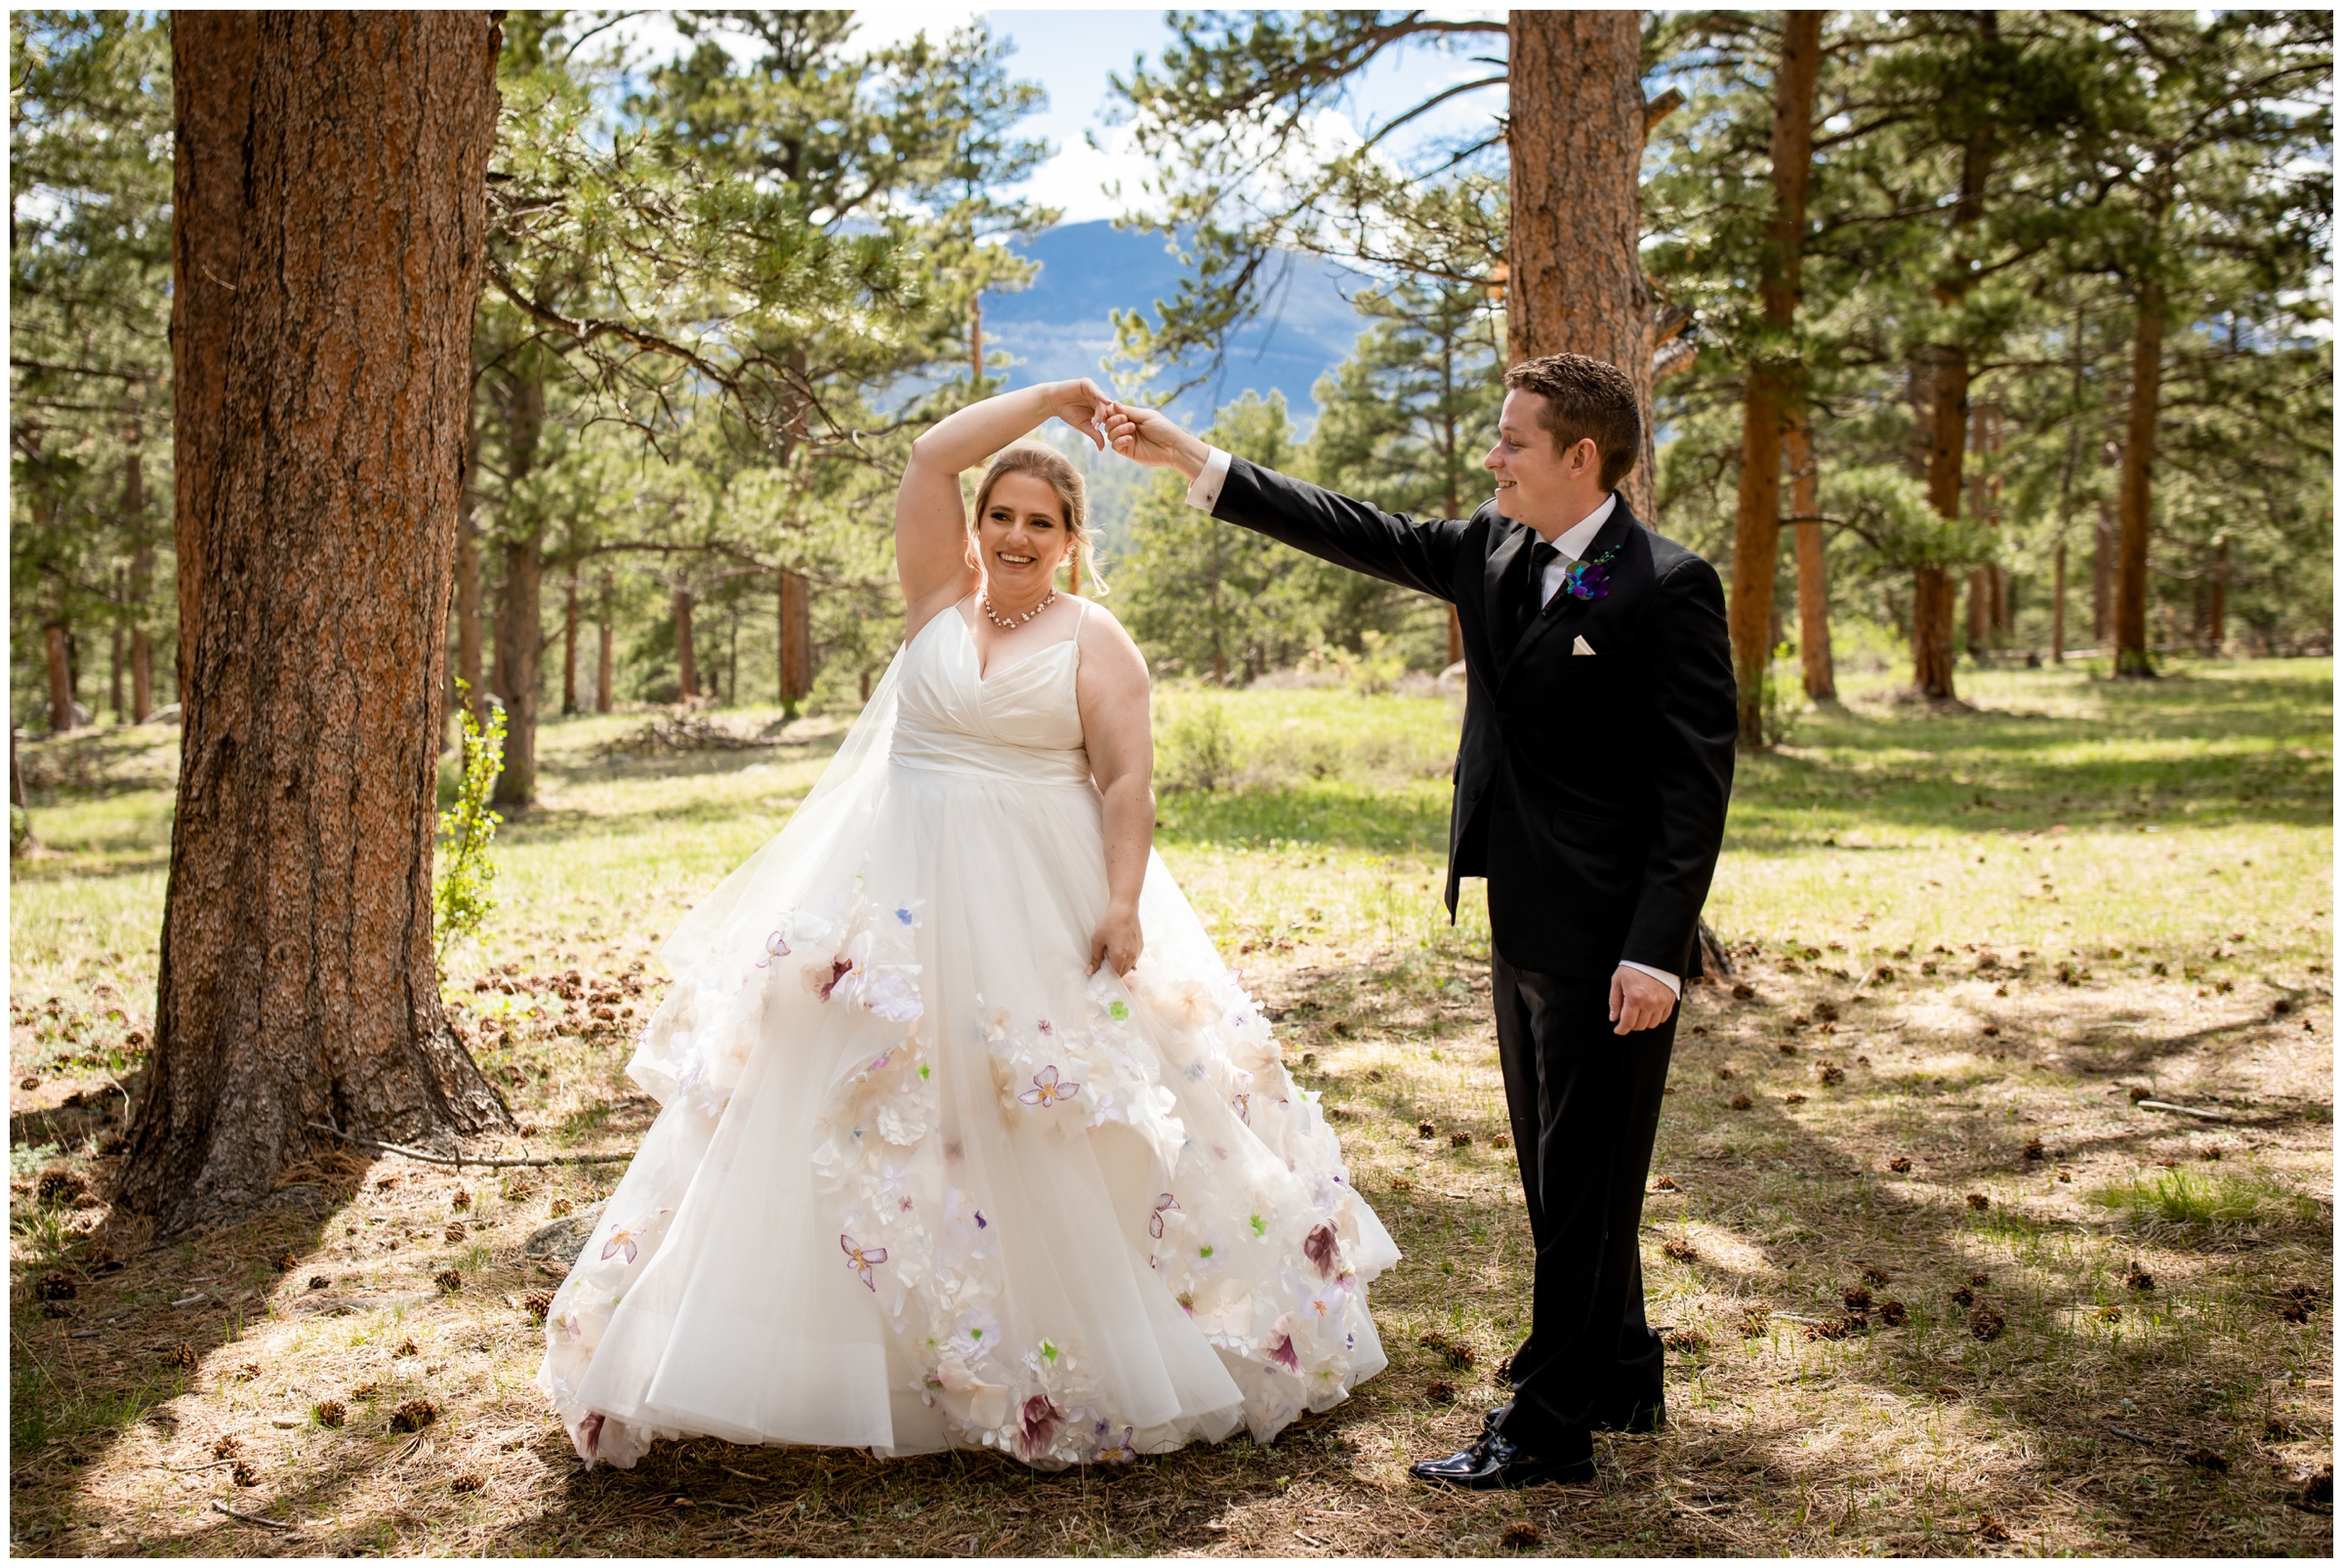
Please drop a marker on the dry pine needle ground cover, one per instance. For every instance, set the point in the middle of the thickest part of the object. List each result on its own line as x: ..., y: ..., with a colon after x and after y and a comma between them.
x: 1935, y: 1283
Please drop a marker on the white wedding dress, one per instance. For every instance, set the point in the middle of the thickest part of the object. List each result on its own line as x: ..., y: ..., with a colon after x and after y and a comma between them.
x: 917, y: 1179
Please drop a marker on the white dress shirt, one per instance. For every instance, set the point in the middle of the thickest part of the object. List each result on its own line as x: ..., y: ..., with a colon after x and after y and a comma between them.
x: 1572, y: 542
x: 1205, y: 493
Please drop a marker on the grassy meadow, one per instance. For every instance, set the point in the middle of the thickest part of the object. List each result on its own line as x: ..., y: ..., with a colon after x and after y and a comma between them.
x: 1935, y: 1279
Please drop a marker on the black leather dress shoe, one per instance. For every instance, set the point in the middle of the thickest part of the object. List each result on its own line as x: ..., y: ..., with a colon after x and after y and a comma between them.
x: 1494, y: 1465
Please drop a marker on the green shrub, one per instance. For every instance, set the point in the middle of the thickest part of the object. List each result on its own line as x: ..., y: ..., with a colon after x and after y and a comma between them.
x: 465, y: 894
x: 1195, y: 751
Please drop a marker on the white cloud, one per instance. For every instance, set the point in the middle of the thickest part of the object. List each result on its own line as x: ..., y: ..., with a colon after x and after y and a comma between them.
x: 1079, y: 177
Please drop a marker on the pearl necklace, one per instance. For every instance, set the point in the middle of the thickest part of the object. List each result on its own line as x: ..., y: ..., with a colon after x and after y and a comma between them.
x: 1013, y: 622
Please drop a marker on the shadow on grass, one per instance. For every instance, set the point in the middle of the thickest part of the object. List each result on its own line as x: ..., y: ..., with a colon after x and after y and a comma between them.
x: 2039, y: 1397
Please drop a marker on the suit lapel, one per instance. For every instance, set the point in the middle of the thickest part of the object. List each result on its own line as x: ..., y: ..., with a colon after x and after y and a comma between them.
x: 1562, y: 608
x: 1503, y: 561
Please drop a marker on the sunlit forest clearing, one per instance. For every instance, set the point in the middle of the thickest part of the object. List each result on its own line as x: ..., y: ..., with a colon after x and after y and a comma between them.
x: 412, y: 617
x: 1972, y: 945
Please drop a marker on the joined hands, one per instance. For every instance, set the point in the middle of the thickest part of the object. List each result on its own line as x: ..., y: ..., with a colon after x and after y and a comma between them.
x: 1145, y: 435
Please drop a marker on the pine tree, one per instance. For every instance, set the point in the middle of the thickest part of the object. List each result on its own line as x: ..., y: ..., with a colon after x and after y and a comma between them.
x: 320, y: 371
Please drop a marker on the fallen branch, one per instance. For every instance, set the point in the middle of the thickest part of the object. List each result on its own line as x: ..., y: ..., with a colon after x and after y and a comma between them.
x: 253, y: 1518
x: 619, y: 1157
x: 2184, y: 1110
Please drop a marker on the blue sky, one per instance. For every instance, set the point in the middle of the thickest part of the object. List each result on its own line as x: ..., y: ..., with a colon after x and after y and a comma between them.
x: 1070, y: 50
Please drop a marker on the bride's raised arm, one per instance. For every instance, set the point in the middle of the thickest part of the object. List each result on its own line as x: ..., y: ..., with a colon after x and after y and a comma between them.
x: 931, y: 556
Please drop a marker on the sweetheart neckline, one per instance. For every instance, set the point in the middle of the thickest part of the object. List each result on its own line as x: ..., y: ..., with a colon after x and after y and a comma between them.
x: 984, y: 677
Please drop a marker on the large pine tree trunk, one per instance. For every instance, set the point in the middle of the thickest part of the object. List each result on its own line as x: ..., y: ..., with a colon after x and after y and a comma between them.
x: 1776, y: 387
x: 2134, y: 498
x: 207, y: 210
x: 1934, y: 593
x: 1935, y: 596
x: 1575, y: 274
x: 327, y: 249
x: 797, y: 641
x: 1814, y: 572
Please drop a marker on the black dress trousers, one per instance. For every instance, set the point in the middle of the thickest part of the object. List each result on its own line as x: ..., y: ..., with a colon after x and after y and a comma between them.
x: 1585, y: 1108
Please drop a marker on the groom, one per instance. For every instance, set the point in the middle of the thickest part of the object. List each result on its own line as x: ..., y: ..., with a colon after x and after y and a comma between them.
x: 1592, y: 788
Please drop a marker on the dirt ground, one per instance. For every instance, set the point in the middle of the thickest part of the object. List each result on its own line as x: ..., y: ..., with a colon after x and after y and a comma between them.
x: 2180, y: 1415
x: 1974, y: 955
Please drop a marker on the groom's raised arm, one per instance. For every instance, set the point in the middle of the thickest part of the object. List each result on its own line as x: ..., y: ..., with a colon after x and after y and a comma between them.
x: 1421, y: 556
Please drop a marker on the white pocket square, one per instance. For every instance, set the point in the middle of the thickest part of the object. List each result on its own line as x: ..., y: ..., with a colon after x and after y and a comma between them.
x: 1578, y: 645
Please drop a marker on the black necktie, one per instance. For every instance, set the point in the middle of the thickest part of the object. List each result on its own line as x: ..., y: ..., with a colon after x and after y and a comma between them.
x: 1532, y: 596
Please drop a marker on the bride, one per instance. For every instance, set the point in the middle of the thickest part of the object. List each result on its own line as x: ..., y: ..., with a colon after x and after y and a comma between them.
x: 967, y: 1137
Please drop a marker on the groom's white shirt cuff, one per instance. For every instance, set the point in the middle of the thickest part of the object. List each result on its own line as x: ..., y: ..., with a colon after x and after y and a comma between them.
x: 1672, y: 982
x: 1204, y: 494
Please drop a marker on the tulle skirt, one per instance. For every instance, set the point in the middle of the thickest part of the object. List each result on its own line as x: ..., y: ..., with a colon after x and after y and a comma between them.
x: 920, y: 1180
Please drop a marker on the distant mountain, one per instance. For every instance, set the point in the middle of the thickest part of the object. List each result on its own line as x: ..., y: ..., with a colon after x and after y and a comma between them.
x: 1061, y: 326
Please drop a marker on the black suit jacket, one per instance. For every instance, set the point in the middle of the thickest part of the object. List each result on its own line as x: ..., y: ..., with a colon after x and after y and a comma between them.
x: 1591, y: 789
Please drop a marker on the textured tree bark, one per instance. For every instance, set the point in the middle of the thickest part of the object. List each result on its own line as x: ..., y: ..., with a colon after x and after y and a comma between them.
x: 605, y: 662
x: 1574, y: 280
x: 1935, y: 596
x: 797, y: 642
x: 687, y: 671
x: 207, y: 254
x: 520, y: 607
x: 1776, y: 385
x: 1814, y: 571
x: 1936, y: 603
x: 1934, y: 593
x: 2134, y: 498
x: 327, y: 263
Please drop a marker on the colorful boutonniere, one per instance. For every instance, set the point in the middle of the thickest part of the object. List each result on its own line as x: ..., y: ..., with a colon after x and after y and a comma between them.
x: 1589, y: 579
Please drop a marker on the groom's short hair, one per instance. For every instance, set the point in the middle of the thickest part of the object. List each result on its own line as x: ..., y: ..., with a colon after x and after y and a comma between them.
x: 1585, y: 400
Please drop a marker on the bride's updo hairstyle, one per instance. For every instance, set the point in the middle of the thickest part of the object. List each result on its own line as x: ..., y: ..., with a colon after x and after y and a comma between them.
x: 1050, y: 467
